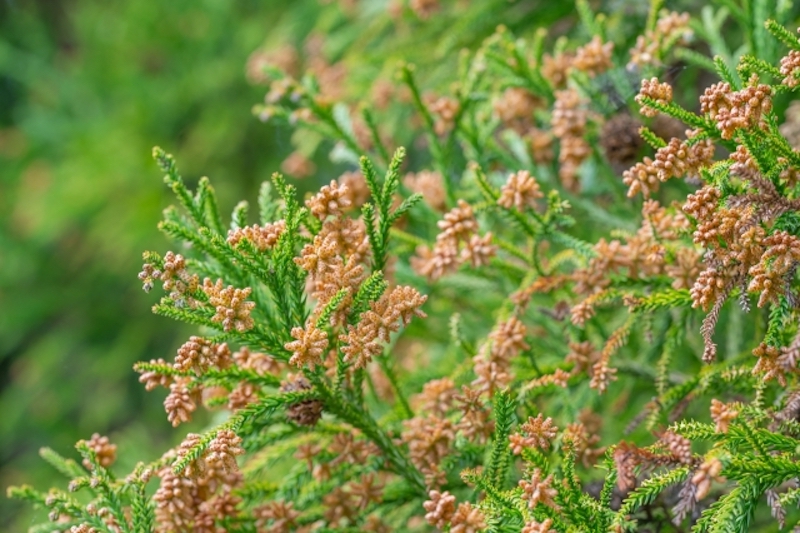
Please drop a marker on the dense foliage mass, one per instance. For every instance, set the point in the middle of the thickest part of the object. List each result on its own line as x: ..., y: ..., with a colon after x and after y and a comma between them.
x: 569, y: 305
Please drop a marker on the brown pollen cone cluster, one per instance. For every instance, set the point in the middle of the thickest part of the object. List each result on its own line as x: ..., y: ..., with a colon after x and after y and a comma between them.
x: 458, y: 226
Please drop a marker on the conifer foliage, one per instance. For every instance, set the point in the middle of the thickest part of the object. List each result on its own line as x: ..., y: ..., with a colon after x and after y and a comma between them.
x: 572, y: 306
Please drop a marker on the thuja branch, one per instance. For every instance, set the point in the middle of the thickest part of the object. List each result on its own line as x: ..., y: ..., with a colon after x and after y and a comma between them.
x: 362, y: 420
x: 233, y: 375
x: 263, y: 408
